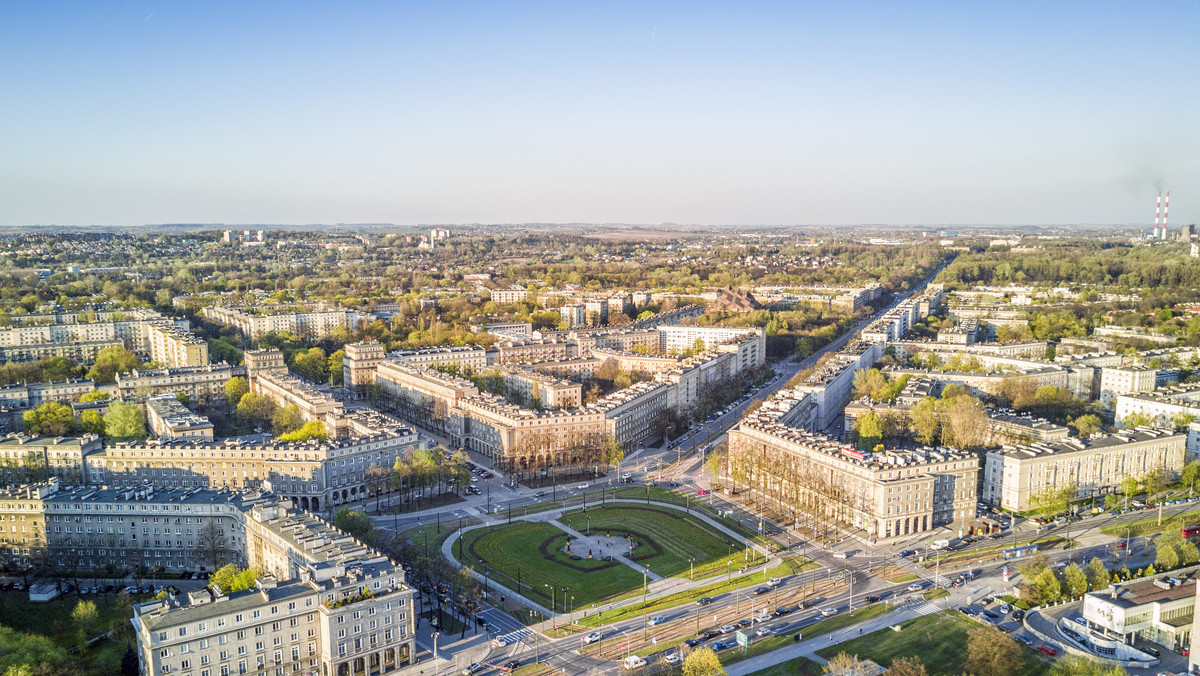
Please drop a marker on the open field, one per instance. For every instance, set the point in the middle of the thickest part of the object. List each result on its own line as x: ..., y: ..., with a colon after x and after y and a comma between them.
x: 940, y: 640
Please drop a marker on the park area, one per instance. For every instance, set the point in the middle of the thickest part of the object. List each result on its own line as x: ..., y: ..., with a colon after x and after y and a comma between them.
x: 531, y: 557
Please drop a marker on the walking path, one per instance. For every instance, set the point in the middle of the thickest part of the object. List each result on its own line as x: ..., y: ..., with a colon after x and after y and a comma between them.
x: 656, y: 589
x: 604, y: 547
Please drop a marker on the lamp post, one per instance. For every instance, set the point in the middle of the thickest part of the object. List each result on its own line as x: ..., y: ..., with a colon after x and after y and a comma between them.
x: 645, y: 587
x: 553, y: 604
x: 589, y: 524
x: 692, y: 569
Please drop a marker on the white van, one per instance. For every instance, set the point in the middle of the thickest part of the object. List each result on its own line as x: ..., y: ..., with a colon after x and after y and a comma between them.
x: 633, y: 662
x: 939, y: 544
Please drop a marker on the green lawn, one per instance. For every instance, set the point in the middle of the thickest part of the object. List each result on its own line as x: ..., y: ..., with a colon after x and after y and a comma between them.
x: 1151, y: 525
x: 524, y: 557
x: 666, y: 540
x: 53, y: 619
x: 940, y: 640
x: 800, y: 666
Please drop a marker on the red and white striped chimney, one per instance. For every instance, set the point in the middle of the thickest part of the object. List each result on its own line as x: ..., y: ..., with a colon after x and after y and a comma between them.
x: 1157, y: 211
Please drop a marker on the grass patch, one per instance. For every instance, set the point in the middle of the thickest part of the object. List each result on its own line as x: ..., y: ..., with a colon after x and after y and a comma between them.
x: 895, y: 574
x: 972, y: 556
x: 53, y: 620
x: 665, y: 539
x: 931, y: 594
x: 1151, y: 525
x: 439, y: 500
x: 799, y: 666
x: 534, y: 669
x: 524, y: 557
x: 940, y: 640
x: 662, y: 603
x: 828, y: 625
x: 688, y: 501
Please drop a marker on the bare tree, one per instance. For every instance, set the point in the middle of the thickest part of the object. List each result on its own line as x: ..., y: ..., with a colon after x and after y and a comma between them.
x: 210, y: 545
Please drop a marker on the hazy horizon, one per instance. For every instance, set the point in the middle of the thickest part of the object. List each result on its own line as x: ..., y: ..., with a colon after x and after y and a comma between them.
x: 777, y: 114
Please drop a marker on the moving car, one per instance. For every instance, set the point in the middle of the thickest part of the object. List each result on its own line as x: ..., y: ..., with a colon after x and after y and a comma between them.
x: 728, y: 628
x: 499, y: 641
x: 672, y: 658
x: 774, y: 582
x: 512, y: 664
x: 704, y: 600
x: 761, y: 590
x: 693, y: 642
x: 593, y: 637
x: 763, y: 631
x: 916, y: 586
x: 763, y: 618
x: 582, y: 487
x: 721, y: 645
x: 828, y: 612
x: 873, y: 599
x: 701, y: 491
x: 473, y: 668
x: 657, y: 619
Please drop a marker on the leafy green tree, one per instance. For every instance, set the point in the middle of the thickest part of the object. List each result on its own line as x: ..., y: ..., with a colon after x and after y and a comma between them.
x: 95, y: 395
x: 110, y: 361
x: 869, y: 429
x: 230, y: 578
x: 1087, y: 425
x: 1049, y: 589
x: 85, y: 616
x: 1076, y: 580
x: 1052, y: 501
x: 1136, y: 420
x: 925, y: 421
x: 222, y: 350
x: 1129, y: 487
x: 991, y: 652
x: 313, y: 429
x: 91, y: 422
x: 702, y: 662
x: 313, y: 365
x: 355, y: 522
x: 286, y: 419
x: 1190, y: 473
x: 34, y: 655
x: 256, y: 409
x: 1097, y: 574
x: 335, y: 367
x: 125, y: 420
x: 51, y: 419
x: 235, y: 388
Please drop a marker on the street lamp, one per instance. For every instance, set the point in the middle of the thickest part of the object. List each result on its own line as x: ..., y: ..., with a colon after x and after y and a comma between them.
x: 692, y: 569
x: 553, y: 604
x: 589, y: 524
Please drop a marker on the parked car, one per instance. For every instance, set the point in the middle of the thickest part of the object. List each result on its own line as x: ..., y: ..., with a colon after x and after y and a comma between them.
x: 672, y: 658
x: 1018, y: 614
x: 1024, y: 639
x: 1151, y: 651
x: 1048, y: 650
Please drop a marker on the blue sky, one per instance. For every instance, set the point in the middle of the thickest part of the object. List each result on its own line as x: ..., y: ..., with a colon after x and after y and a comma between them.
x: 639, y: 112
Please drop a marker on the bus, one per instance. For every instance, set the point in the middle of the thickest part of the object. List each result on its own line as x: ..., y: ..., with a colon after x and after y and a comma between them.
x: 1190, y: 531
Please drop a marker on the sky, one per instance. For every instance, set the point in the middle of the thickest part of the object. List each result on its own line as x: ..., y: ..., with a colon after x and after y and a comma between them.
x: 793, y: 113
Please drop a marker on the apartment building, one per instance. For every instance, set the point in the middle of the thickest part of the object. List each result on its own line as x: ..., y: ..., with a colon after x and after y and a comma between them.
x: 311, y: 325
x: 1115, y: 380
x: 168, y: 418
x: 359, y: 365
x: 325, y: 605
x: 199, y: 383
x: 885, y: 495
x: 23, y: 456
x: 544, y: 349
x: 470, y: 357
x: 1013, y: 474
x: 314, y: 405
x: 682, y: 338
x: 636, y: 412
x: 531, y: 386
x: 175, y: 348
x: 500, y: 430
x: 513, y: 294
x: 1161, y: 407
x: 573, y: 315
x: 832, y: 383
x: 316, y: 475
x: 77, y: 352
x: 428, y: 398
x: 82, y: 529
x: 84, y: 334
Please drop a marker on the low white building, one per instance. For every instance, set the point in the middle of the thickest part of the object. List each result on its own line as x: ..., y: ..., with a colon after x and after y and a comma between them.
x: 1158, y: 610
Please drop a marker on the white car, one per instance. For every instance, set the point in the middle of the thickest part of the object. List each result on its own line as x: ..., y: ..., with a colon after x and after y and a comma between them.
x: 582, y: 487
x: 775, y: 582
x: 728, y: 629
x: 627, y: 475
x: 840, y: 555
x: 763, y: 631
x: 916, y: 586
x: 593, y: 637
x: 657, y: 619
x: 828, y: 612
x: 672, y: 658
x: 499, y: 641
x: 765, y: 617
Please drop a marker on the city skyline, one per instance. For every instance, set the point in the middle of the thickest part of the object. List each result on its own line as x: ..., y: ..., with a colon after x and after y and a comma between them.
x: 774, y: 114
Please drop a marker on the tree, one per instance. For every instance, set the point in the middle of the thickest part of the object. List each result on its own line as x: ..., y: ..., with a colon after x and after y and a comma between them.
x: 230, y: 578
x: 210, y: 545
x: 110, y: 361
x: 125, y: 420
x: 1052, y: 501
x: 286, y: 419
x: 1097, y: 574
x: 51, y: 419
x: 85, y: 616
x: 95, y: 395
x: 1076, y: 580
x: 1190, y: 473
x: 1078, y: 665
x: 1087, y: 425
x: 312, y: 365
x: 1129, y: 487
x: 870, y: 431
x: 91, y: 422
x: 355, y: 522
x: 256, y: 408
x: 1136, y: 420
x: 843, y: 664
x: 1166, y: 557
x: 235, y: 388
x: 702, y: 662
x: 906, y: 666
x: 313, y: 429
x: 1047, y: 586
x: 925, y: 421
x: 868, y: 382
x: 129, y: 661
x: 991, y: 652
x: 335, y: 367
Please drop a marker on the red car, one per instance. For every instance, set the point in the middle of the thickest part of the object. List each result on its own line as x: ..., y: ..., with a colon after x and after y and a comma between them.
x: 1048, y: 650
x: 1120, y: 545
x: 1186, y: 652
x: 701, y: 491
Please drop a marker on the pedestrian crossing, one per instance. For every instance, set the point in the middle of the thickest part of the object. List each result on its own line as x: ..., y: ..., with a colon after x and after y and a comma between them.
x: 923, y: 608
x: 515, y: 636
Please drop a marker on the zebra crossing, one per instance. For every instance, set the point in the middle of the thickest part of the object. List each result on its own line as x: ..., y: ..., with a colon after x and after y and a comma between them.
x: 514, y: 637
x: 922, y: 607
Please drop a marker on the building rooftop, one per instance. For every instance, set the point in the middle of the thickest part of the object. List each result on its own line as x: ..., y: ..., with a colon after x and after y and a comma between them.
x: 1075, y: 445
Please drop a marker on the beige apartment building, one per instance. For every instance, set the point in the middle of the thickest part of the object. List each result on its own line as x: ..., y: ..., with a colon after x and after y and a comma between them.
x: 501, y: 430
x: 469, y: 357
x: 885, y: 495
x: 426, y: 397
x: 325, y: 605
x: 312, y: 325
x: 173, y: 347
x: 551, y: 392
x: 168, y: 418
x: 199, y: 383
x: 24, y: 456
x: 1012, y: 474
x: 359, y: 365
x: 314, y: 405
